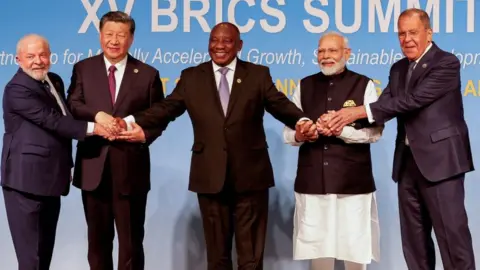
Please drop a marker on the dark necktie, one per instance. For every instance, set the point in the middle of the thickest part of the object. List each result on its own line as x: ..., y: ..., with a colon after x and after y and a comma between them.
x: 411, y: 67
x: 111, y: 82
x: 54, y: 96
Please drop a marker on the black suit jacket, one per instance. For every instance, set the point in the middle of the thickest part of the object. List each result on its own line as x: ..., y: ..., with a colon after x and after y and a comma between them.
x: 234, y: 144
x: 430, y: 112
x: 37, y: 143
x: 88, y: 94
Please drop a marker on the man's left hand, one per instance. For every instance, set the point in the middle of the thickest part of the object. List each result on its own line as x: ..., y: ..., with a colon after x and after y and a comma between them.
x: 134, y: 135
x: 344, y: 117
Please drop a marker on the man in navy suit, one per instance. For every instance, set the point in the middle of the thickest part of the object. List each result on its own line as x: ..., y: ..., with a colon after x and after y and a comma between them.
x: 432, y: 151
x: 37, y: 153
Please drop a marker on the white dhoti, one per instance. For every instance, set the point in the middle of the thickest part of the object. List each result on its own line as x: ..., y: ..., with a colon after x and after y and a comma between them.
x: 344, y: 227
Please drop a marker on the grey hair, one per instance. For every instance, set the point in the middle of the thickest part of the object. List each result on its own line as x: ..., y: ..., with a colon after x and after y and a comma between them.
x: 21, y: 42
x: 336, y: 34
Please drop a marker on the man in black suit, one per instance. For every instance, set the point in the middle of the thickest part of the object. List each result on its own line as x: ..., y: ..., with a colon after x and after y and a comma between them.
x: 114, y: 176
x: 231, y: 171
x: 432, y: 151
x: 36, y: 153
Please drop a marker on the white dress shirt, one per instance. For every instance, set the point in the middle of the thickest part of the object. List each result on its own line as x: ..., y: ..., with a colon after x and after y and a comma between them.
x: 230, y: 74
x: 349, y: 134
x: 367, y: 105
x: 121, y: 65
x: 55, y: 94
x: 62, y: 105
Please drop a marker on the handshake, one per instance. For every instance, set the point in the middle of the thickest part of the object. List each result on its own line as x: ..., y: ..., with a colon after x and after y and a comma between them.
x: 307, y: 130
x: 115, y: 128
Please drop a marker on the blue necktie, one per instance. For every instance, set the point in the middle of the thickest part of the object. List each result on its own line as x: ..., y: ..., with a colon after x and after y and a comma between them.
x: 223, y: 89
x: 411, y: 66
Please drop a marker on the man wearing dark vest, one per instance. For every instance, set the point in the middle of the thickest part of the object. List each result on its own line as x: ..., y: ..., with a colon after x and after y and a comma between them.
x: 334, y: 187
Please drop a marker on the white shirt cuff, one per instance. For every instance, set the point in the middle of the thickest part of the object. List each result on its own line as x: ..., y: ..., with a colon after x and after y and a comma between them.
x: 129, y: 120
x: 369, y: 113
x: 90, y: 128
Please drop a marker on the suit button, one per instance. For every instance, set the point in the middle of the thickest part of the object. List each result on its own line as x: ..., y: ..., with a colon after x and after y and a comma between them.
x: 325, y: 163
x: 329, y: 99
x: 325, y: 147
x: 226, y: 129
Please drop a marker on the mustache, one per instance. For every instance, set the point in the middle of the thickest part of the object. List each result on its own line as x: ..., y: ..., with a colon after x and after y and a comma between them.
x: 328, y: 61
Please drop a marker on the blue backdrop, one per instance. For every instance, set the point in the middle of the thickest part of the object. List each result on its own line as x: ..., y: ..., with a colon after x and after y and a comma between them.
x: 172, y: 35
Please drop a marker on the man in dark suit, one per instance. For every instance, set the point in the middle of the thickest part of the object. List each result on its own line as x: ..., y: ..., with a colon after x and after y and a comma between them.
x: 114, y: 176
x: 36, y: 153
x: 231, y: 171
x: 432, y: 151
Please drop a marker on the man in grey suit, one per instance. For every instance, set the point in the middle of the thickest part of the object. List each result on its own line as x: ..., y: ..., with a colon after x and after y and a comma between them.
x: 432, y: 151
x: 37, y: 153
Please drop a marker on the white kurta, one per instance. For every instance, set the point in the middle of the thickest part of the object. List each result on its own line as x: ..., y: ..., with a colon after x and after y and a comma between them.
x: 338, y: 226
x: 344, y: 227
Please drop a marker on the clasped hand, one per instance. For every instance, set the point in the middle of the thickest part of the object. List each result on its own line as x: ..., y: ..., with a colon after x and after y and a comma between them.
x: 328, y: 124
x: 115, y: 128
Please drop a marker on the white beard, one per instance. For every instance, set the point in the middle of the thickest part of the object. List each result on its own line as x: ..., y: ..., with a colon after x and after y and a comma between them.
x: 337, y: 66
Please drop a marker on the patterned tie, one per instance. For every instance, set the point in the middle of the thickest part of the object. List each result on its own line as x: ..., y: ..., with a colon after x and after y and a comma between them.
x: 411, y: 66
x: 111, y: 82
x: 53, y: 94
x: 223, y: 89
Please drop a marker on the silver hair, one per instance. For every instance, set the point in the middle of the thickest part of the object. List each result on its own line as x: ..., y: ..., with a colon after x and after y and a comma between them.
x: 337, y: 34
x: 29, y: 36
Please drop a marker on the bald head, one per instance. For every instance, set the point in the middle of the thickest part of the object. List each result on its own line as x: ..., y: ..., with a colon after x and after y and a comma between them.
x: 33, y: 56
x: 224, y: 43
x: 228, y: 25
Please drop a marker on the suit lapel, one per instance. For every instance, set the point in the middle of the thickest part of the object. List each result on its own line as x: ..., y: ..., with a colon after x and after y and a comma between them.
x: 61, y: 93
x: 238, y: 81
x: 211, y: 85
x: 422, y: 66
x: 131, y: 71
x: 402, y: 76
x: 101, y: 78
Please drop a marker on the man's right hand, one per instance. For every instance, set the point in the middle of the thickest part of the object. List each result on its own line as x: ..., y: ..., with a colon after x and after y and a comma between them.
x: 305, y: 130
x: 108, y: 122
x: 100, y: 130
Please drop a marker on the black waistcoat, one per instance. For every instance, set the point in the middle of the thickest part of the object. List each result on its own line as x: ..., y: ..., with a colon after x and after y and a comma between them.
x: 330, y: 165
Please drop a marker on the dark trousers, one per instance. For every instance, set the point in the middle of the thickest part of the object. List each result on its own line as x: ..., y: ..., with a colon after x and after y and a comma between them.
x: 33, y: 223
x: 423, y: 205
x: 229, y: 213
x: 106, y: 208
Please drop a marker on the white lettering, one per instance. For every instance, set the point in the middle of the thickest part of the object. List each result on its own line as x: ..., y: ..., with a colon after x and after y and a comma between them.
x: 357, y: 17
x: 197, y: 14
x: 231, y: 15
x: 169, y: 12
x: 317, y: 13
x: 375, y: 8
x: 91, y: 15
x: 282, y: 21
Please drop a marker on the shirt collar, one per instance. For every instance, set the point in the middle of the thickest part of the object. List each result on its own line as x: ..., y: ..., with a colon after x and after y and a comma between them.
x: 118, y: 65
x: 426, y: 50
x: 230, y: 66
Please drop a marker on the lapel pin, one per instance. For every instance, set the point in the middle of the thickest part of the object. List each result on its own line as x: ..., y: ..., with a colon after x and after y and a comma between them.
x: 424, y: 65
x: 239, y: 80
x: 135, y: 71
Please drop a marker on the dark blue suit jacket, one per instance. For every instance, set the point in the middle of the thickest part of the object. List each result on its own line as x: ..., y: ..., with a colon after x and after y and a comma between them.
x: 430, y: 112
x: 37, y: 144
